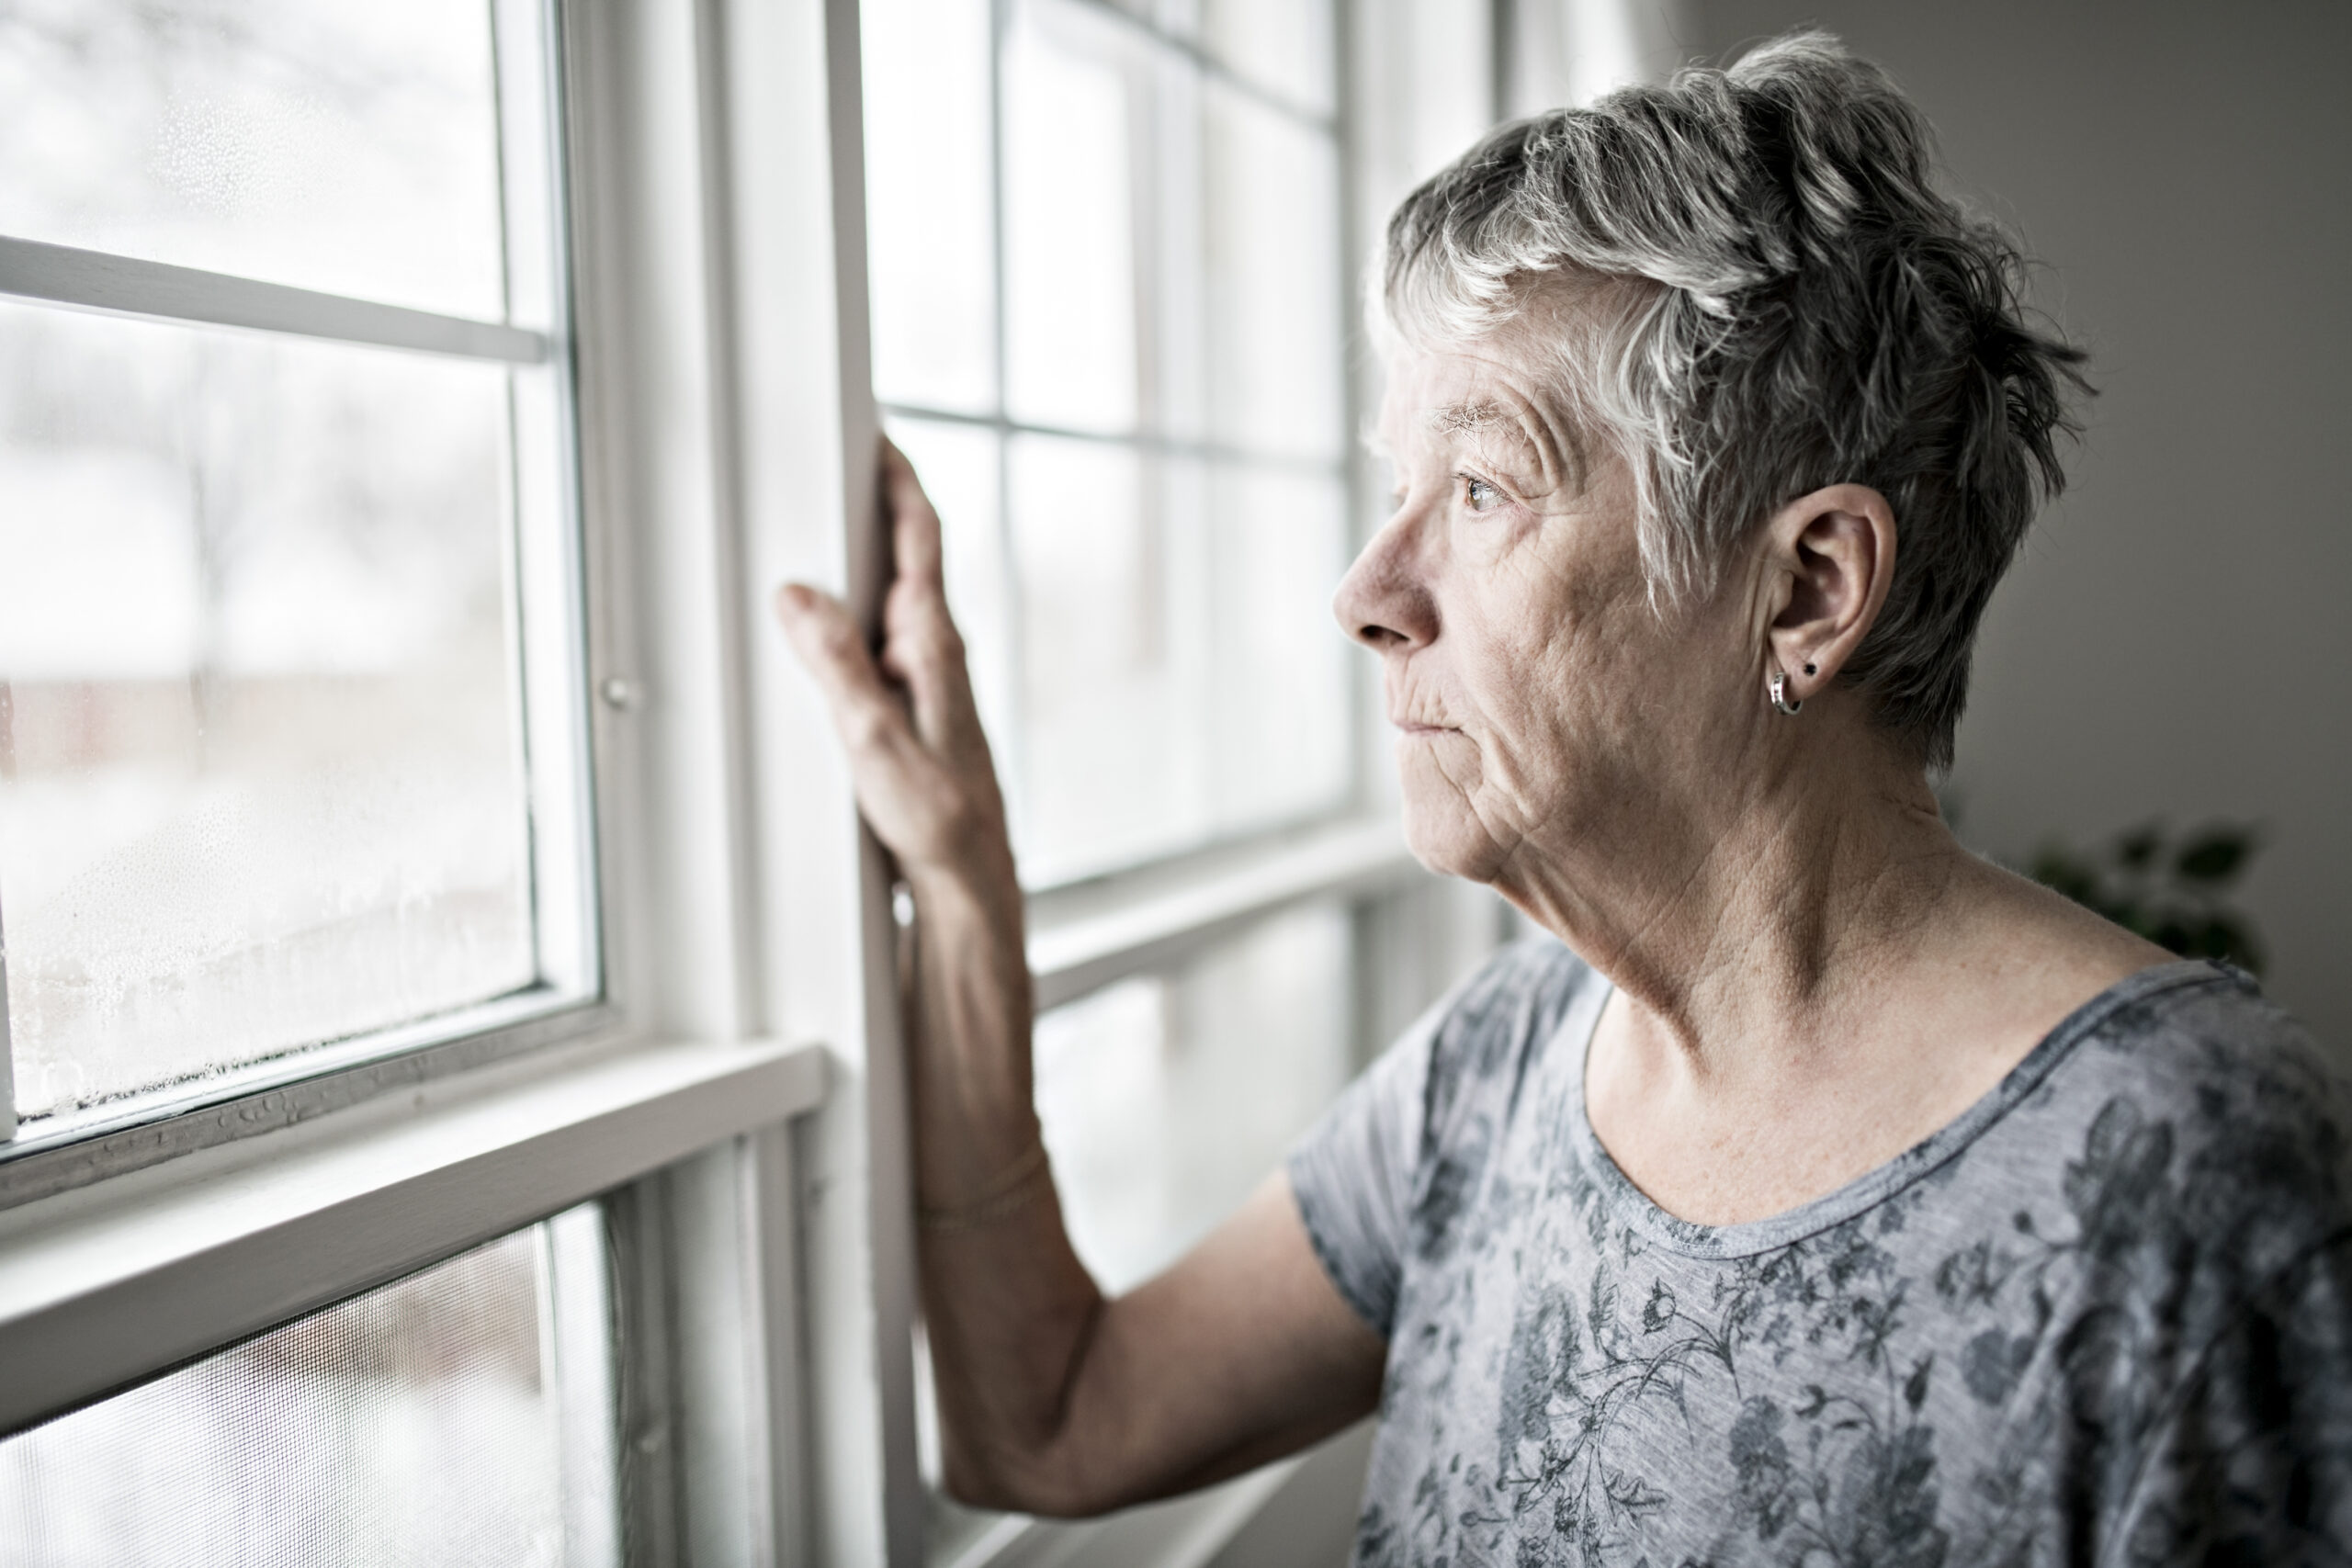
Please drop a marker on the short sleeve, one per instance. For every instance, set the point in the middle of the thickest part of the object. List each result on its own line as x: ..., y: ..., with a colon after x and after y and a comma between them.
x: 1352, y: 1175
x: 2254, y: 1460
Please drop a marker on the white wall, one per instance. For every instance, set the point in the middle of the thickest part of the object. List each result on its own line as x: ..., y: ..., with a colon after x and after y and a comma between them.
x: 2177, y: 640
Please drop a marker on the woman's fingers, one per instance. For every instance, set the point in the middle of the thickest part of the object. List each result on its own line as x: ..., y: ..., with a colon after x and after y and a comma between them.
x: 906, y: 716
x: 873, y: 724
x: 922, y: 647
x: 914, y: 521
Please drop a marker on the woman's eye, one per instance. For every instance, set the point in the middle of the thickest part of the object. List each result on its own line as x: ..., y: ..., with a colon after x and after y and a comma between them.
x: 1479, y: 495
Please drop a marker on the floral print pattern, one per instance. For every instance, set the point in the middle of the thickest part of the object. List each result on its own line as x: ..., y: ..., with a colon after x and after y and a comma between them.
x: 2104, y: 1316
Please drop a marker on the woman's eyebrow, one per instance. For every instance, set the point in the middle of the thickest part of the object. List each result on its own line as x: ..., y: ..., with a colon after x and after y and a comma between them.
x: 1478, y: 413
x: 1482, y: 418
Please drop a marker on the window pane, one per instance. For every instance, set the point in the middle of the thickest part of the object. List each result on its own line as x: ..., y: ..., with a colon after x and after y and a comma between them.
x: 1273, y: 282
x: 349, y: 148
x: 1278, y: 727
x: 456, y: 1417
x: 1110, y: 766
x: 261, y: 776
x: 1069, y: 222
x: 1153, y: 649
x: 1283, y: 45
x: 1165, y: 1102
x: 929, y: 227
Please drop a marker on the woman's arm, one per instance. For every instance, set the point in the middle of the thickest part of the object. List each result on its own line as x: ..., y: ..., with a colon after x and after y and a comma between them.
x: 1053, y: 1399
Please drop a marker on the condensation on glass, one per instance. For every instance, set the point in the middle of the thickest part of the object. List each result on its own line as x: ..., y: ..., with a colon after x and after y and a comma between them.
x: 460, y: 1416
x: 347, y: 148
x: 1109, y: 305
x: 283, y: 758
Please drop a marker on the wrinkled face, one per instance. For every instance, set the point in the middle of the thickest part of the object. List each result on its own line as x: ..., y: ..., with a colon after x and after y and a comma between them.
x: 1537, y: 697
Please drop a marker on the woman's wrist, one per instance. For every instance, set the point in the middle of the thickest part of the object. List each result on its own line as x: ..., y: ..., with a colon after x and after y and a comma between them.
x: 980, y: 888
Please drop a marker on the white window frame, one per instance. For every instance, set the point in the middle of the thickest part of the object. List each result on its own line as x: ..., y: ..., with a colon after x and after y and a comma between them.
x: 736, y: 1091
x: 693, y: 1092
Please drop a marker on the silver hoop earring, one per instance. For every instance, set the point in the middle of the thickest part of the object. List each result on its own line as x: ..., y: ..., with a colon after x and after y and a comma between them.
x: 1780, y: 690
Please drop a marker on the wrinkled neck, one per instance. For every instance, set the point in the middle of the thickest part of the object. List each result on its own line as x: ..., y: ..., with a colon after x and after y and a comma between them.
x: 1737, y: 909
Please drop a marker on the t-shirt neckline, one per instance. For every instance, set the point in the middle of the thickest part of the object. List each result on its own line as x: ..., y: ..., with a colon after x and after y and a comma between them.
x: 1624, y: 1199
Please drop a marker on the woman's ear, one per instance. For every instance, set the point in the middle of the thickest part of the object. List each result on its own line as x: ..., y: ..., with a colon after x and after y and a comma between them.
x: 1829, y: 560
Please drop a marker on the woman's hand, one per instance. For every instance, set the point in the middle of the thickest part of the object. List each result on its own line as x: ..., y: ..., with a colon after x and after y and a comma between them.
x: 917, y: 756
x: 1050, y: 1397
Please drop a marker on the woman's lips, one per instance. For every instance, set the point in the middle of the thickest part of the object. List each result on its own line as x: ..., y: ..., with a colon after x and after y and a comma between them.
x: 1407, y: 726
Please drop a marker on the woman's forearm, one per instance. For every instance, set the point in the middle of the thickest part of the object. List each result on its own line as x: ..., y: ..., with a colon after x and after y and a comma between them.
x: 1009, y: 1308
x: 975, y: 1118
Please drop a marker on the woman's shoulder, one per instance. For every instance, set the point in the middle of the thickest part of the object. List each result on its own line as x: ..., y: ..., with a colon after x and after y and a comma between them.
x: 2202, y: 1039
x: 2220, y: 1101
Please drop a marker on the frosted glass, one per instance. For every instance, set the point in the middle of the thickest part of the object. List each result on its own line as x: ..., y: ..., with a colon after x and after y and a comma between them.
x: 1069, y: 224
x: 1273, y: 283
x: 1283, y: 45
x: 928, y: 229
x: 1166, y: 1101
x: 261, y: 779
x: 344, y: 147
x: 1278, y: 724
x: 424, y: 1425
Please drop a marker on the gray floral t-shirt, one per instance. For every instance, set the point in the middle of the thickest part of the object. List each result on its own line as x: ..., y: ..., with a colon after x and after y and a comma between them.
x: 2103, y: 1317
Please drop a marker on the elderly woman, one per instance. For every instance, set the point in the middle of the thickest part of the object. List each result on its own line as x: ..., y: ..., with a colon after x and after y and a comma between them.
x: 1823, y: 1193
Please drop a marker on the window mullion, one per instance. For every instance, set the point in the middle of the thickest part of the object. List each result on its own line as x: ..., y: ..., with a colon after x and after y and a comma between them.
x: 32, y: 269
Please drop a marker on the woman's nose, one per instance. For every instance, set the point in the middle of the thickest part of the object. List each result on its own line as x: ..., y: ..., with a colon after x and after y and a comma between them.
x: 1383, y: 602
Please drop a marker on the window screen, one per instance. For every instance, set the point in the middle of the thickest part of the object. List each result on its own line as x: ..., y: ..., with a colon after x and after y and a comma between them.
x: 1108, y: 304
x: 286, y: 753
x: 457, y: 1417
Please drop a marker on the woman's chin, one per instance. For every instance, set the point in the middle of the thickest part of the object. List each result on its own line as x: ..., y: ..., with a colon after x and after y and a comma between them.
x: 1447, y: 838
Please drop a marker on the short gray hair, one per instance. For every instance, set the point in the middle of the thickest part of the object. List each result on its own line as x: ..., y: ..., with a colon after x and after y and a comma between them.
x: 1771, y: 297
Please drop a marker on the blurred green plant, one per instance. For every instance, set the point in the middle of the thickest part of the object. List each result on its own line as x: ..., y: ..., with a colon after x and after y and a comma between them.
x: 2173, y: 891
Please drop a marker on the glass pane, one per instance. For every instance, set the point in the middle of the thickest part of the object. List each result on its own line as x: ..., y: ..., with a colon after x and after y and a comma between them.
x: 1165, y: 1102
x: 261, y: 781
x: 1279, y: 722
x: 1273, y: 288
x: 928, y: 202
x: 1283, y: 45
x: 1111, y: 768
x: 443, y: 1421
x: 1069, y: 219
x: 349, y: 148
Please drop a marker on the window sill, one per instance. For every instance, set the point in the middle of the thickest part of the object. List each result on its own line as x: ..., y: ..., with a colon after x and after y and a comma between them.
x: 113, y: 1138
x: 109, y: 1284
x: 1084, y: 937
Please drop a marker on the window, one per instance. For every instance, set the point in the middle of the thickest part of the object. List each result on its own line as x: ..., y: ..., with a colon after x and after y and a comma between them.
x: 290, y: 749
x: 1113, y: 285
x: 359, y: 1200
x: 1109, y: 300
x: 450, y: 1098
x: 460, y: 1415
